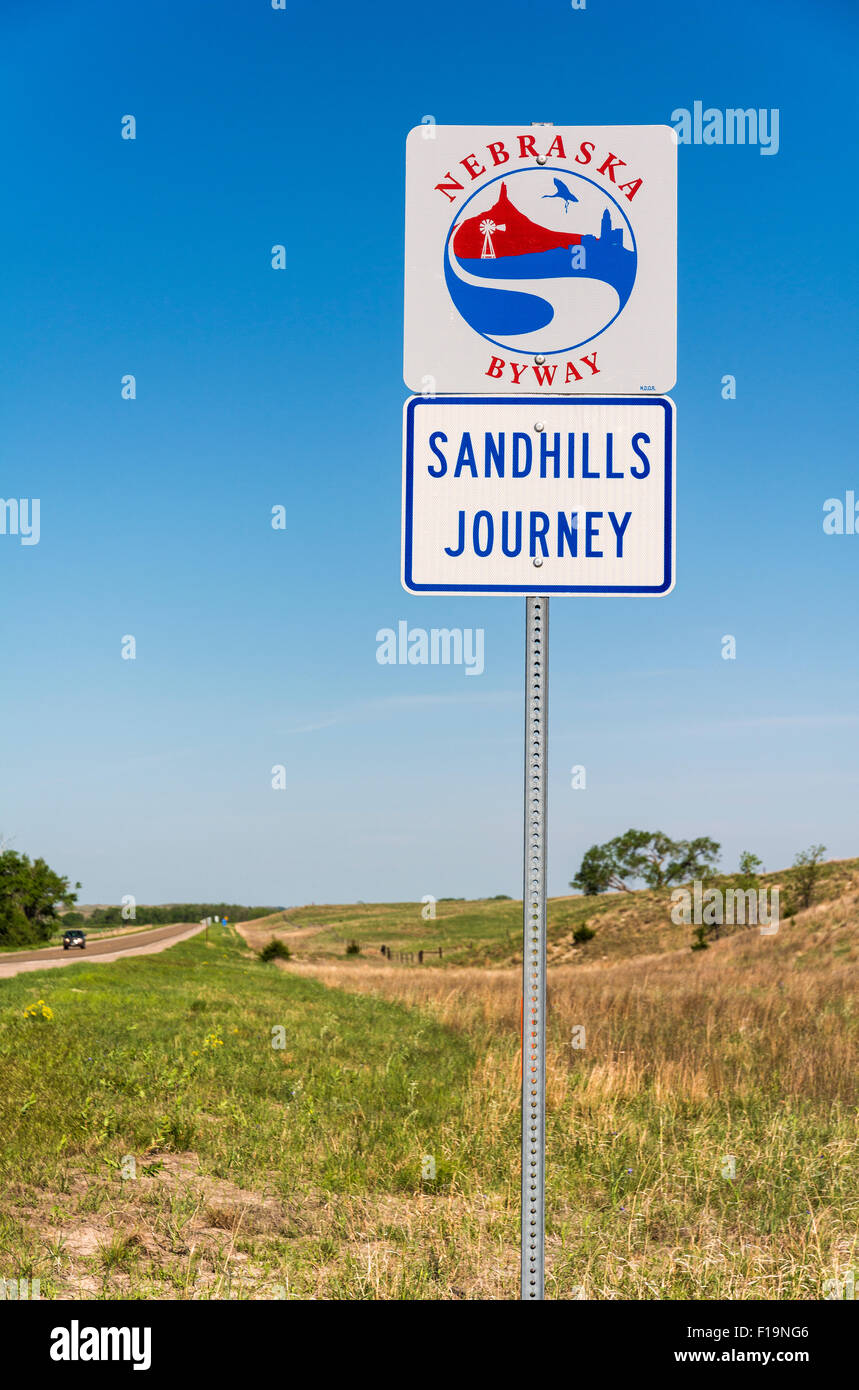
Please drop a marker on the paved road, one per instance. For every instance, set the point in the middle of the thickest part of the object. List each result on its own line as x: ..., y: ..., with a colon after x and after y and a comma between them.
x: 102, y: 952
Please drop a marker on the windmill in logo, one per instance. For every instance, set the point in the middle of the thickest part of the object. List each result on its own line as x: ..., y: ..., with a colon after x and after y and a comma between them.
x: 487, y: 227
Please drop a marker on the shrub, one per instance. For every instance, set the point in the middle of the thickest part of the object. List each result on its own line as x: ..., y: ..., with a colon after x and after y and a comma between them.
x: 275, y: 950
x: 806, y: 872
x: 353, y: 949
x: 583, y: 933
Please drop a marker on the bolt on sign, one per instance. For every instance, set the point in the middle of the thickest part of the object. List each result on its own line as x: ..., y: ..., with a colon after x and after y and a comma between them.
x: 541, y: 259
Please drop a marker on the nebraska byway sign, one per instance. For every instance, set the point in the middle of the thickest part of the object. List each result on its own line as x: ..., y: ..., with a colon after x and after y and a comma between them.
x: 541, y: 259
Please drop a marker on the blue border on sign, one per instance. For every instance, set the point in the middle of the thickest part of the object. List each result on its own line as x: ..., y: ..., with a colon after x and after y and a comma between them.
x: 408, y: 516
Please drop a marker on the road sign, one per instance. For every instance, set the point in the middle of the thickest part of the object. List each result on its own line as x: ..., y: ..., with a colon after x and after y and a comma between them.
x: 538, y: 459
x: 549, y: 495
x: 541, y: 258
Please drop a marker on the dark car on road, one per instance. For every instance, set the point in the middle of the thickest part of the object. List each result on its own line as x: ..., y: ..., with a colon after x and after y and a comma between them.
x: 74, y: 937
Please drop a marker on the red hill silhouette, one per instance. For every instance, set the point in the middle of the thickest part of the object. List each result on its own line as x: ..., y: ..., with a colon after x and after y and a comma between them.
x: 520, y: 236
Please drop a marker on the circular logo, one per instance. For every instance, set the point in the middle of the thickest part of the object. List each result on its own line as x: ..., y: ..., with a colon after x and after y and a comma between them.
x: 540, y: 260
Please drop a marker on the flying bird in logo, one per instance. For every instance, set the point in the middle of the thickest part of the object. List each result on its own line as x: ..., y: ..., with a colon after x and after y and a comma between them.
x: 562, y: 191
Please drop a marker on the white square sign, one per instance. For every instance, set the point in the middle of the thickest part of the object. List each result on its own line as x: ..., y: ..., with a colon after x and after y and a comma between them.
x: 541, y: 258
x: 548, y: 495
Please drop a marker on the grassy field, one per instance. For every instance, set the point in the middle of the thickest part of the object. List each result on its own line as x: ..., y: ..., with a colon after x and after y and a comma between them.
x: 488, y: 931
x: 253, y: 1164
x: 743, y: 1059
x: 265, y: 1172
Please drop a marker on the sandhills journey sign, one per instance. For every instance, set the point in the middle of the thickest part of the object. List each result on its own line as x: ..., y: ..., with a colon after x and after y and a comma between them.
x: 541, y: 259
x: 512, y: 494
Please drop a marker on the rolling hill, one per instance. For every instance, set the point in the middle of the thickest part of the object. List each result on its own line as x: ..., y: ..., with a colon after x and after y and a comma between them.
x: 487, y: 931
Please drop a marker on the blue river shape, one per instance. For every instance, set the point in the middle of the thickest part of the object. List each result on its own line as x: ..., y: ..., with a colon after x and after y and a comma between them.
x: 497, y: 312
x: 534, y: 265
x: 615, y: 265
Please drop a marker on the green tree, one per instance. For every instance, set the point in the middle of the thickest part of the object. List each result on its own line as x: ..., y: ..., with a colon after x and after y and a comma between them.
x: 645, y: 854
x: 747, y: 876
x: 750, y: 866
x: 661, y: 861
x: 807, y: 868
x: 30, y: 895
x: 597, y: 872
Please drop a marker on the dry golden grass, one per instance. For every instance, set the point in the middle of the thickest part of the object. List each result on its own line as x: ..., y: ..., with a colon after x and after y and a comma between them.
x: 749, y: 1050
x: 750, y: 1011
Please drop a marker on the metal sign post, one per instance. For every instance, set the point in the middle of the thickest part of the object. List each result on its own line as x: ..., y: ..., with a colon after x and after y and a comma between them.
x: 534, y: 949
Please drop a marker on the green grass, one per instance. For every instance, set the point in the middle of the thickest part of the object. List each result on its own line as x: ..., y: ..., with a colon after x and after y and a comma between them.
x: 173, y: 1054
x: 263, y: 1172
x: 460, y: 928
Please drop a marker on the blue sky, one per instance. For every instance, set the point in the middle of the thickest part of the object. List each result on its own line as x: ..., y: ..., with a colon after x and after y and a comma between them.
x: 256, y: 387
